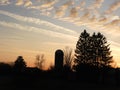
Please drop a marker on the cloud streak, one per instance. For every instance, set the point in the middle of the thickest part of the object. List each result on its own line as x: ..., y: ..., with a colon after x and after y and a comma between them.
x: 48, y: 4
x: 60, y: 44
x: 97, y: 4
x: 113, y: 7
x: 38, y: 30
x: 95, y: 22
x: 74, y: 12
x: 37, y: 21
x: 4, y: 2
x: 44, y: 5
x: 27, y: 3
x: 60, y: 11
x: 19, y: 2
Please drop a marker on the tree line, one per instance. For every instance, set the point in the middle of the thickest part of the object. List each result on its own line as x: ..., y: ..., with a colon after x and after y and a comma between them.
x: 90, y: 50
x: 91, y: 61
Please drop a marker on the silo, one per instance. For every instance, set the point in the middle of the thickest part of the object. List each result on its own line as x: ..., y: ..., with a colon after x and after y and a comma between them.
x: 59, y: 55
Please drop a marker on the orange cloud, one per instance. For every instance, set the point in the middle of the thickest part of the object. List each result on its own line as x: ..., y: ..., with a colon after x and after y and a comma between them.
x: 115, y: 22
x: 4, y: 2
x: 81, y: 6
x: 27, y: 3
x: 62, y: 9
x: 48, y: 4
x: 96, y: 4
x: 86, y: 15
x: 113, y: 7
x: 19, y: 2
x: 73, y: 12
x: 103, y: 20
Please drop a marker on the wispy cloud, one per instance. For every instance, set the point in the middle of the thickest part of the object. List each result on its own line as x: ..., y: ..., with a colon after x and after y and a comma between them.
x: 37, y: 21
x: 56, y: 44
x: 113, y: 7
x: 44, y: 5
x: 91, y: 17
x: 115, y: 49
x: 114, y: 43
x: 60, y: 11
x: 115, y: 22
x: 38, y: 30
x: 19, y: 2
x: 74, y: 12
x: 4, y: 2
x: 96, y: 4
x: 101, y: 23
x: 28, y: 3
x: 82, y: 4
x: 48, y: 3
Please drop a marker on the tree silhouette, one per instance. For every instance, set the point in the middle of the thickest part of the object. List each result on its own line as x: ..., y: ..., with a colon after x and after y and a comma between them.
x: 92, y: 50
x: 68, y: 58
x: 5, y: 68
x: 20, y: 64
x: 39, y: 61
x: 81, y: 51
x: 100, y: 50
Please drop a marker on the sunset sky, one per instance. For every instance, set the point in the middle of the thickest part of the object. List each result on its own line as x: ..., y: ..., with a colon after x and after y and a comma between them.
x: 32, y: 27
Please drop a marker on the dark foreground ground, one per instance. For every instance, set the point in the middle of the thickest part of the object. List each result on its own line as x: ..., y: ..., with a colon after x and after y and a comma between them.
x: 33, y: 83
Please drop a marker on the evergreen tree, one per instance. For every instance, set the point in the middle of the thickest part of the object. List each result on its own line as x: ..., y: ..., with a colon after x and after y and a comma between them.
x: 92, y: 51
x: 20, y: 64
x: 100, y: 50
x: 82, y: 46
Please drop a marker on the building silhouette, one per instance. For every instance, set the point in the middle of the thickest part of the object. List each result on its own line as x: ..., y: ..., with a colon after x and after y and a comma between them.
x: 59, y: 55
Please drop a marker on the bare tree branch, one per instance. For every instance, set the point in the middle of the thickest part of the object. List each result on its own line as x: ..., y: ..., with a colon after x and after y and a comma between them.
x: 40, y: 61
x: 68, y: 57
